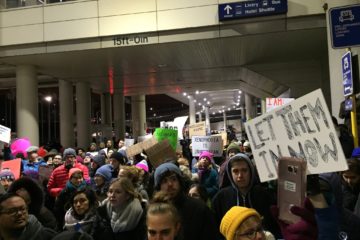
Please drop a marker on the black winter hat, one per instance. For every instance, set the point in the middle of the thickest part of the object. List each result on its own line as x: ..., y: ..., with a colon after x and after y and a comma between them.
x: 99, y: 160
x: 119, y: 157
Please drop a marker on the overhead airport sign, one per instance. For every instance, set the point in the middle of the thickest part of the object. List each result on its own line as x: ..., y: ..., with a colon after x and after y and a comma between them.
x: 302, y: 128
x: 345, y: 26
x: 255, y: 8
x: 347, y: 74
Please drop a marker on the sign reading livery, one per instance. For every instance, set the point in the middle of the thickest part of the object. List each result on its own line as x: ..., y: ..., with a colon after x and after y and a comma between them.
x: 347, y: 74
x: 257, y: 8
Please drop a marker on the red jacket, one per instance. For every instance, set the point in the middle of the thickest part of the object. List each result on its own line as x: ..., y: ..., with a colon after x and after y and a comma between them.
x: 60, y: 176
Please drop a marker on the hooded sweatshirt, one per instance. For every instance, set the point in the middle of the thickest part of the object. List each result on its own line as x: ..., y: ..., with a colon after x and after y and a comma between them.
x: 254, y: 197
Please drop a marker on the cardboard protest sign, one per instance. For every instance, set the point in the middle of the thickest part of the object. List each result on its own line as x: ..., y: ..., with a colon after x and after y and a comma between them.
x: 139, y: 147
x: 211, y: 144
x: 197, y: 129
x: 13, y: 165
x: 160, y: 152
x: 169, y: 134
x: 223, y: 137
x: 302, y: 128
x: 143, y: 138
x: 5, y: 134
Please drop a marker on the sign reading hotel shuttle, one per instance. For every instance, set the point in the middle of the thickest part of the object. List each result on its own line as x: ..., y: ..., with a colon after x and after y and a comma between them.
x: 302, y: 128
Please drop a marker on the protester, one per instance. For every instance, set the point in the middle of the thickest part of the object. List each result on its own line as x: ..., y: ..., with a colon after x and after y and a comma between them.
x: 30, y: 167
x: 198, y: 191
x: 102, y: 181
x: 116, y: 160
x: 351, y: 184
x: 17, y: 224
x: 163, y: 219
x: 7, y: 177
x: 231, y: 151
x: 133, y: 174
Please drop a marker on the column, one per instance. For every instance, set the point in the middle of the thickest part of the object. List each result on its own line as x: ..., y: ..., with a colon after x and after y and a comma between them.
x: 200, y: 117
x: 138, y: 115
x: 66, y: 96
x: 119, y: 114
x: 225, y: 121
x: 192, y: 110
x: 83, y: 99
x: 335, y: 68
x: 27, y: 112
x: 103, y: 108
x: 207, y: 120
x: 250, y: 107
x: 263, y: 105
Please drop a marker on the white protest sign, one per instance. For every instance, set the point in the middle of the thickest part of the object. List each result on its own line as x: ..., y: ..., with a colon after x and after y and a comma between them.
x: 129, y: 142
x: 211, y: 144
x: 5, y: 134
x: 177, y: 124
x: 302, y: 128
x: 272, y: 103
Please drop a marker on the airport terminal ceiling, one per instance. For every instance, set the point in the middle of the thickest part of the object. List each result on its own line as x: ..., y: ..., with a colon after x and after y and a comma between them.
x: 263, y: 65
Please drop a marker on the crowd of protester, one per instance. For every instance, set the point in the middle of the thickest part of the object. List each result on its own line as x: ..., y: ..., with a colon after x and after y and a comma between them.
x: 102, y: 194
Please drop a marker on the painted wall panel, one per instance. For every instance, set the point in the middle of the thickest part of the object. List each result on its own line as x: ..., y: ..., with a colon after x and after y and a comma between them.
x: 71, y: 29
x: 20, y: 17
x: 21, y: 34
x: 124, y: 24
x: 173, y: 4
x: 64, y: 12
x: 119, y: 7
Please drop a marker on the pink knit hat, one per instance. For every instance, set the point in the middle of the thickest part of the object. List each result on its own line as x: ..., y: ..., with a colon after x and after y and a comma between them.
x: 206, y: 154
x: 143, y: 165
x: 74, y: 170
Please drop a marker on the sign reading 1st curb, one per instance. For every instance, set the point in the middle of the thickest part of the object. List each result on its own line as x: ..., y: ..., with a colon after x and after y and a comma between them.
x: 302, y: 128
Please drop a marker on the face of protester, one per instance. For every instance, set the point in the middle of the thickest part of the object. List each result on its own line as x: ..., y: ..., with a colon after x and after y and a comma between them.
x: 99, y: 180
x: 161, y: 227
x: 232, y: 152
x: 114, y: 163
x: 92, y: 148
x: 70, y: 160
x: 117, y: 195
x: 240, y: 173
x: 251, y: 229
x: 121, y: 144
x: 32, y: 156
x: 57, y: 160
x: 194, y: 193
x: 204, y: 162
x: 6, y: 183
x: 110, y: 152
x: 14, y: 214
x: 351, y: 178
x: 108, y: 143
x: 79, y: 152
x: 87, y: 159
x: 76, y: 179
x: 81, y: 204
x: 22, y: 192
x: 170, y: 184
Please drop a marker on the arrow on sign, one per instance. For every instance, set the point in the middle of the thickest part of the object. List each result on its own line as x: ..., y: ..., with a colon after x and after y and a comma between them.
x: 227, y: 8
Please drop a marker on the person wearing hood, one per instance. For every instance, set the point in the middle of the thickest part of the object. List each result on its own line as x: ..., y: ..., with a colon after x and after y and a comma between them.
x: 231, y: 150
x: 60, y: 175
x: 76, y: 181
x: 96, y: 162
x: 101, y: 182
x: 33, y: 195
x: 244, y: 192
x: 208, y: 176
x: 17, y: 224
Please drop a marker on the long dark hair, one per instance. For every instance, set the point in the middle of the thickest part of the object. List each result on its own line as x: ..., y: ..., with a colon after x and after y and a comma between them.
x: 90, y: 195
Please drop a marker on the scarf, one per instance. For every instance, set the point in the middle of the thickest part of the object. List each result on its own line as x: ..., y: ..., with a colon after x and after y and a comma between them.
x: 124, y: 218
x: 85, y: 224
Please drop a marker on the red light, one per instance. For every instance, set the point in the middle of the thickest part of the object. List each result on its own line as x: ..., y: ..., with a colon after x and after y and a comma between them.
x: 111, y: 80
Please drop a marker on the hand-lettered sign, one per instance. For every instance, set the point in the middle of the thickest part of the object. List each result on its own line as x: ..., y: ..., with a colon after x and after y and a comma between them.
x: 213, y: 144
x: 302, y: 128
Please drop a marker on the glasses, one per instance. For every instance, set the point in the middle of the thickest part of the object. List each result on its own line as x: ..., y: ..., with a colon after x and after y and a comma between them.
x: 250, y: 234
x: 14, y: 211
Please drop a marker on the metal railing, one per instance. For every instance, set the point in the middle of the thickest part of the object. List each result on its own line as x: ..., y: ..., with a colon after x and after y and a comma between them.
x: 9, y: 4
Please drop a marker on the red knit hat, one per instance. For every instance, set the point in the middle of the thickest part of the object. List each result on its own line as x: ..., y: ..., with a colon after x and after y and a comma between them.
x: 74, y: 170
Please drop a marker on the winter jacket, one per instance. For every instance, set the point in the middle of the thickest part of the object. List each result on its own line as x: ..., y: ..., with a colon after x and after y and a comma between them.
x: 350, y: 196
x: 59, y: 177
x: 209, y: 179
x: 84, y: 225
x: 31, y: 169
x: 103, y: 229
x: 198, y: 222
x: 35, y: 231
x: 256, y: 197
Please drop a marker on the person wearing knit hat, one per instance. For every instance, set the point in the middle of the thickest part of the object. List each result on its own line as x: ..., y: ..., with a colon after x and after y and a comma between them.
x: 96, y: 162
x: 117, y: 159
x: 242, y: 223
x: 208, y: 176
x: 232, y: 149
x: 143, y: 165
x: 30, y: 167
x: 200, y: 223
x: 102, y: 179
x: 7, y: 177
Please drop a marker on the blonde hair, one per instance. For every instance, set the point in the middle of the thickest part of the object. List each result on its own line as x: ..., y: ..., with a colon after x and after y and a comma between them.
x: 127, y: 186
x: 132, y: 173
x: 161, y: 204
x: 249, y: 223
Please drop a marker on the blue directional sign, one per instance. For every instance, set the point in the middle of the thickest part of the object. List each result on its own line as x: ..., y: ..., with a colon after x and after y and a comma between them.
x: 348, y: 104
x: 255, y: 8
x: 345, y: 26
x: 347, y: 74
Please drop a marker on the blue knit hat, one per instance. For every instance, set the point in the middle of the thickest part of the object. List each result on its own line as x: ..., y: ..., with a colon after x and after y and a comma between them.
x: 7, y: 174
x: 105, y: 171
x: 356, y: 153
x: 163, y: 168
x: 99, y: 160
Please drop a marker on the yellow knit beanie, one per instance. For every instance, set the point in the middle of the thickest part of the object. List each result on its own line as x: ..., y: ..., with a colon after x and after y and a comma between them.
x: 233, y: 219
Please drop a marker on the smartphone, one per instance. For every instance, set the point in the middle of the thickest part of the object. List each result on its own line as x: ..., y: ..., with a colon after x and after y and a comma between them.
x: 291, y: 186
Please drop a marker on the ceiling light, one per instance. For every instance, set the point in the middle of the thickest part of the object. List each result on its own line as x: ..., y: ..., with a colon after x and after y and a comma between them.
x: 197, y: 92
x: 184, y: 93
x: 237, y: 104
x: 188, y: 96
x: 151, y: 109
x: 208, y: 102
x: 194, y: 100
x: 228, y: 109
x: 48, y: 98
x: 199, y: 104
x: 213, y: 113
x: 239, y: 91
x: 204, y: 99
x: 154, y: 114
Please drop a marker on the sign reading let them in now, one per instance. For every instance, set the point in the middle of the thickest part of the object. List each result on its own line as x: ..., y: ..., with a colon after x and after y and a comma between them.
x: 302, y: 128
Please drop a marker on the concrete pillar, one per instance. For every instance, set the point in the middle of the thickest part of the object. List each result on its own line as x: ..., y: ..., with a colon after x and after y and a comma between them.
x: 243, y: 115
x: 192, y: 110
x: 263, y: 105
x: 138, y: 115
x: 119, y: 114
x: 27, y: 101
x: 103, y: 110
x: 207, y: 120
x: 225, y: 121
x: 250, y: 107
x: 83, y: 99
x: 67, y: 136
x: 335, y: 68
